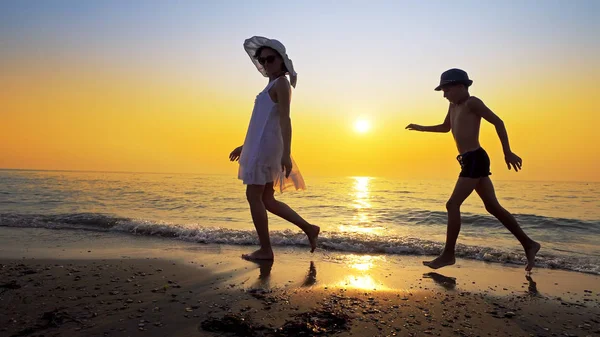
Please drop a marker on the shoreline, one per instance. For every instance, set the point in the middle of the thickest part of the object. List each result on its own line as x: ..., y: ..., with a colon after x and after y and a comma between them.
x: 106, y: 284
x: 495, y: 250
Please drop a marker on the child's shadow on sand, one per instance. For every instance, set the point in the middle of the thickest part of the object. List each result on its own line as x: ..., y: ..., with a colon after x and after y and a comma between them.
x: 311, y: 277
x: 264, y: 276
x: 532, y: 287
x: 448, y: 283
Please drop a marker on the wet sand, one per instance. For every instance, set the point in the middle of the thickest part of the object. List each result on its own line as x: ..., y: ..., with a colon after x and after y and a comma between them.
x: 63, y: 283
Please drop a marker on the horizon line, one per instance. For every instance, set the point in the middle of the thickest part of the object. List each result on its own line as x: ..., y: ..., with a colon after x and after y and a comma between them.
x: 225, y: 174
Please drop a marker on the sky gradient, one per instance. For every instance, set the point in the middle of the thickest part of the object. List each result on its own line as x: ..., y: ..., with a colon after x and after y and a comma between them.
x: 156, y: 87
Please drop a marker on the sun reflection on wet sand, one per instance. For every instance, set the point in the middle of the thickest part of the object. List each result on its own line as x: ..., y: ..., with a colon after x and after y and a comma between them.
x: 360, y: 270
x: 361, y: 262
x: 365, y: 282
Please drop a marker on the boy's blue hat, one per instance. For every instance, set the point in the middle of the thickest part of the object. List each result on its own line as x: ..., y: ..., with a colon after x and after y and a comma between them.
x: 454, y: 76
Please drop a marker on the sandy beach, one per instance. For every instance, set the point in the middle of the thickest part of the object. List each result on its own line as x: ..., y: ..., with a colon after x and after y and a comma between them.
x: 104, y: 284
x: 148, y: 149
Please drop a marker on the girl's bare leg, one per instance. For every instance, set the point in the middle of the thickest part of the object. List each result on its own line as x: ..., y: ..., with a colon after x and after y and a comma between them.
x: 261, y: 223
x: 286, y: 212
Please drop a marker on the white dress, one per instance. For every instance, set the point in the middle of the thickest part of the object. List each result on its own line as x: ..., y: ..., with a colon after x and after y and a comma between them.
x: 260, y: 161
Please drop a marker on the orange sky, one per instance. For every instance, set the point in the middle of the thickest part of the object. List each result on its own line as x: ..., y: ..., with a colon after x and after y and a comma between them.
x: 72, y: 108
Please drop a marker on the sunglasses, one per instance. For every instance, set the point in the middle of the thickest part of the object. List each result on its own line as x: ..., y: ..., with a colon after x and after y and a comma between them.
x: 268, y: 59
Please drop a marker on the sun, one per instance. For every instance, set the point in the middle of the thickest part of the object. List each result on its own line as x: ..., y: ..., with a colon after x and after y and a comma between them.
x: 362, y: 126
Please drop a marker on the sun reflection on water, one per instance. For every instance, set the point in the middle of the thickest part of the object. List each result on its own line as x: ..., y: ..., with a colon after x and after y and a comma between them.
x: 361, y: 193
x: 362, y: 219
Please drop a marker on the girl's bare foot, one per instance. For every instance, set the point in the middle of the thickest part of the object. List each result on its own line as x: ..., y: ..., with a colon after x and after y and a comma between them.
x: 313, y: 235
x: 259, y: 255
x: 530, y: 253
x: 441, y: 261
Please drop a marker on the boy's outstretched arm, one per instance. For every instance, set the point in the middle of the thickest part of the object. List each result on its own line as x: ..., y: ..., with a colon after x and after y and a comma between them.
x: 444, y: 127
x: 477, y: 106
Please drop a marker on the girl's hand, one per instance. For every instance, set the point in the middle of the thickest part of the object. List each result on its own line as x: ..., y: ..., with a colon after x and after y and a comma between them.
x: 286, y: 165
x: 235, y: 154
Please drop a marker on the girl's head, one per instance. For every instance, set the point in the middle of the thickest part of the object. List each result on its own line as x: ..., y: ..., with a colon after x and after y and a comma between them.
x: 271, y: 60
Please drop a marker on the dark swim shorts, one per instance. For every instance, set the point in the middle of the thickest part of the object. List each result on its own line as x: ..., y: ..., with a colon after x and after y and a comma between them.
x: 474, y: 164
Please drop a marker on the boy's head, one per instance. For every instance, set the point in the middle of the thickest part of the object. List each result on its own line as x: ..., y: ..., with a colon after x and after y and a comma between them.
x: 455, y: 84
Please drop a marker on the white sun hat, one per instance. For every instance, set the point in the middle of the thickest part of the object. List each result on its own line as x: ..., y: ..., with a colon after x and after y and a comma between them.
x: 252, y: 44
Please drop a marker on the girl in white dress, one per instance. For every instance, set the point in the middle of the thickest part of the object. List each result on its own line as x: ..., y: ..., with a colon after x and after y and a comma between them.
x: 265, y: 158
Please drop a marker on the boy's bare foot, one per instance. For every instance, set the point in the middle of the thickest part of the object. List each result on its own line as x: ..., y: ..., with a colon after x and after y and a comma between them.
x: 313, y: 235
x: 259, y: 255
x: 530, y: 253
x: 441, y: 261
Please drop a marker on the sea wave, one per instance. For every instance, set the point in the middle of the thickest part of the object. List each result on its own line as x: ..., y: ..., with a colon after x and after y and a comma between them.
x: 328, y: 240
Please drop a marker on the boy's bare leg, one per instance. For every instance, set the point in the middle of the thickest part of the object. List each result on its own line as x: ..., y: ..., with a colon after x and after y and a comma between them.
x: 286, y: 212
x: 261, y: 223
x: 464, y: 187
x: 485, y: 189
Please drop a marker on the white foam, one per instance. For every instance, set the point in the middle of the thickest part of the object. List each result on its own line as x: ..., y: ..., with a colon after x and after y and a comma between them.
x: 334, y: 241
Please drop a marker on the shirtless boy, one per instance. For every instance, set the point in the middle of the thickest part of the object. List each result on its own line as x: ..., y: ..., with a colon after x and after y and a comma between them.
x: 464, y: 119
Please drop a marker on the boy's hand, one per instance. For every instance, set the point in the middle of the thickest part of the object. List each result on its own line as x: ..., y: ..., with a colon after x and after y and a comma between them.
x: 414, y: 127
x: 514, y: 160
x: 235, y: 154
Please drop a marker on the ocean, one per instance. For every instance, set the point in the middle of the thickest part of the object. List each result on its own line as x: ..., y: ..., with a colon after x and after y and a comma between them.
x: 368, y: 215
